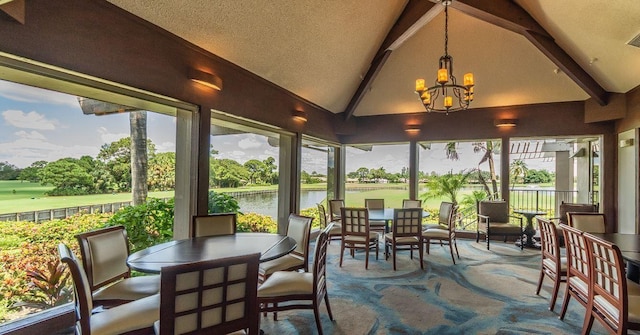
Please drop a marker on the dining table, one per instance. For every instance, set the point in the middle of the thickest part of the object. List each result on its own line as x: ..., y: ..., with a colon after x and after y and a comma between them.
x: 191, y: 250
x: 629, y: 245
x: 529, y: 230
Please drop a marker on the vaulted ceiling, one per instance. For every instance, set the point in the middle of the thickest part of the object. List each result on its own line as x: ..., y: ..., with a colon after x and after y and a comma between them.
x: 361, y: 58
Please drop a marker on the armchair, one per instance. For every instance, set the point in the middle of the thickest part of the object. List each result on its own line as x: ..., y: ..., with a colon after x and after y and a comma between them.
x: 494, y: 219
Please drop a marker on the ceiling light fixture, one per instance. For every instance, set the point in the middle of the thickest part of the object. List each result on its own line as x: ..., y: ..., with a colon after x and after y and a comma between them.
x: 299, y: 116
x: 505, y: 123
x: 206, y: 79
x: 412, y: 129
x: 440, y: 97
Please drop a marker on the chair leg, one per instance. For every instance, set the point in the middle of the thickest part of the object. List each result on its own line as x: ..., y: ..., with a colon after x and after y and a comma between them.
x: 565, y: 303
x: 326, y: 301
x: 451, y: 250
x: 366, y: 259
x: 377, y: 247
x: 421, y: 255
x: 316, y: 313
x: 554, y: 295
x: 427, y: 241
x: 456, y: 245
x: 588, y: 321
x: 394, y: 256
x: 341, y: 252
x: 540, y: 279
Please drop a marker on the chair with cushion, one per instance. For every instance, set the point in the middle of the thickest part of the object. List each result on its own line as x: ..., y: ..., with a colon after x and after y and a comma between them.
x: 210, y: 297
x: 609, y: 301
x: 356, y: 233
x: 406, y: 233
x: 587, y: 222
x: 336, y: 227
x: 566, y: 207
x: 104, y: 260
x: 298, y: 228
x: 334, y: 210
x: 553, y: 265
x: 379, y: 226
x: 216, y: 224
x: 408, y: 203
x: 494, y: 219
x: 444, y: 214
x: 446, y: 236
x: 304, y: 290
x: 578, y: 268
x: 134, y: 316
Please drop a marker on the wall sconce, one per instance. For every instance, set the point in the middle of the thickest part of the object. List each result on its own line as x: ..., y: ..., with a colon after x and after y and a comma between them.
x: 505, y: 123
x: 299, y: 116
x: 206, y: 79
x: 412, y: 129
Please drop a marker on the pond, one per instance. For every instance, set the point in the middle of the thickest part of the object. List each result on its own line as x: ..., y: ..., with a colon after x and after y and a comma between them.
x: 267, y: 203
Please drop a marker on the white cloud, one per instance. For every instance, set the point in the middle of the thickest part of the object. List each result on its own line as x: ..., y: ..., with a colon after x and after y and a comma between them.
x: 24, y: 151
x: 24, y: 93
x: 33, y: 135
x: 108, y: 137
x: 249, y: 143
x: 166, y: 147
x: 31, y: 120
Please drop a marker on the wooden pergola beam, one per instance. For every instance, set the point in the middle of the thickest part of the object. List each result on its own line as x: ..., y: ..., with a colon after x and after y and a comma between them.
x: 508, y: 15
x: 415, y: 15
x: 14, y: 8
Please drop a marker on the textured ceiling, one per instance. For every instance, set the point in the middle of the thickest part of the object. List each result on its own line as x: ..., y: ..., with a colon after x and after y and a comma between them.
x: 321, y: 50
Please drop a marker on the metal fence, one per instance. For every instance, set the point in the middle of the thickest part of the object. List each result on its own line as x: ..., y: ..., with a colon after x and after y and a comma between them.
x: 63, y: 213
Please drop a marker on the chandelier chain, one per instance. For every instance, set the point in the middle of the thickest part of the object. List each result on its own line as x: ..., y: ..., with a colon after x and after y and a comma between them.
x: 446, y: 30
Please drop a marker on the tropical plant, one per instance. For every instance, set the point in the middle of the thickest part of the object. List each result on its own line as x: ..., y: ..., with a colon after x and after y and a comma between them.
x: 447, y: 185
x: 518, y: 171
x: 147, y: 224
x: 222, y: 203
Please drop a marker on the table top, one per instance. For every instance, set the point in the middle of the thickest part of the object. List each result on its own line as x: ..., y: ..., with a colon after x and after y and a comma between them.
x: 152, y: 259
x: 528, y: 212
x: 386, y: 214
x: 629, y: 244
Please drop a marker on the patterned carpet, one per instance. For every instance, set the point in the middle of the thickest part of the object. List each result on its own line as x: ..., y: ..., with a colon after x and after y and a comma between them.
x: 486, y: 292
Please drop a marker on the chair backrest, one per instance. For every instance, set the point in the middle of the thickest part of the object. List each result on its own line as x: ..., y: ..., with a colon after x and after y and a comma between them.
x: 215, y: 224
x: 407, y: 222
x: 83, y: 303
x: 210, y: 297
x: 497, y: 211
x: 355, y: 221
x: 374, y: 203
x: 299, y: 228
x: 566, y: 207
x: 322, y: 214
x: 578, y: 260
x: 444, y: 215
x: 609, y: 283
x: 408, y: 203
x: 587, y: 222
x: 334, y: 209
x: 320, y: 263
x: 451, y: 223
x: 104, y: 255
x: 549, y: 241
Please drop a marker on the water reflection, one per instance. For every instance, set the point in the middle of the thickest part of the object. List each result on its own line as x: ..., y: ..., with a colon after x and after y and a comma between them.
x: 267, y: 203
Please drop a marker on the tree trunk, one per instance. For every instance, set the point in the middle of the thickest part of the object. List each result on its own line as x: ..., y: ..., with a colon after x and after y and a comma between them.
x: 139, y: 188
x: 492, y: 170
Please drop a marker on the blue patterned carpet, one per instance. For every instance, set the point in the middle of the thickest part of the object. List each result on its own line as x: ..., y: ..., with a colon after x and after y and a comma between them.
x: 486, y: 292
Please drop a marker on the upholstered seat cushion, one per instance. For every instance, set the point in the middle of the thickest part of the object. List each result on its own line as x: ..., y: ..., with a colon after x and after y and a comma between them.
x: 336, y: 229
x: 433, y: 226
x: 402, y: 239
x: 132, y: 288
x: 360, y: 239
x: 551, y: 264
x: 579, y: 284
x: 633, y: 307
x: 436, y: 233
x: 131, y: 316
x: 503, y: 228
x: 283, y: 283
x: 282, y: 263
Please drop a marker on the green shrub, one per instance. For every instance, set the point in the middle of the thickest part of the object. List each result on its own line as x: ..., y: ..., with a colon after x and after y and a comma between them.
x: 256, y: 223
x: 147, y: 224
x: 222, y: 203
x: 314, y: 213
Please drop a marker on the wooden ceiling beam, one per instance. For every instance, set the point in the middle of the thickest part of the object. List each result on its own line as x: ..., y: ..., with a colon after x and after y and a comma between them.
x: 14, y: 8
x: 508, y: 15
x: 415, y: 15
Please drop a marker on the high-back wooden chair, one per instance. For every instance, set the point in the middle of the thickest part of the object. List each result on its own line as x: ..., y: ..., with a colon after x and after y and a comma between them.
x: 444, y: 214
x: 298, y: 228
x: 104, y: 260
x: 137, y: 315
x: 356, y: 233
x: 406, y: 233
x: 215, y: 224
x: 306, y: 289
x: 587, y: 222
x: 210, y: 297
x: 446, y: 236
x: 609, y: 301
x: 408, y: 203
x: 552, y: 265
x: 379, y: 226
x: 336, y: 227
x: 334, y: 209
x: 578, y: 268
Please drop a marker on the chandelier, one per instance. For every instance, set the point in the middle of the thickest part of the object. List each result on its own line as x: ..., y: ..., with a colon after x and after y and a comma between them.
x: 440, y: 97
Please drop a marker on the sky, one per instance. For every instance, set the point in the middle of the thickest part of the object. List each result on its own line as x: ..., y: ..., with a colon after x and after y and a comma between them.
x: 38, y: 124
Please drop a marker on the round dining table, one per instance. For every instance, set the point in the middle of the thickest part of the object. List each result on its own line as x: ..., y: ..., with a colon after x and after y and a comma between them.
x: 386, y: 215
x: 191, y: 250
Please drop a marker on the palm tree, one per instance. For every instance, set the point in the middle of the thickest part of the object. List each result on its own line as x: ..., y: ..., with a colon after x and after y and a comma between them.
x: 446, y: 185
x: 489, y: 148
x: 518, y: 170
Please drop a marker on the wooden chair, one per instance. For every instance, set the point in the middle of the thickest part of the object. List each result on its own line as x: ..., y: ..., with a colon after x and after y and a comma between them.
x: 104, y: 261
x: 379, y: 226
x: 356, y: 233
x: 306, y: 290
x: 494, y: 219
x: 552, y: 265
x: 336, y: 227
x: 210, y: 297
x: 215, y: 224
x: 131, y: 317
x: 408, y: 203
x: 444, y: 214
x: 334, y: 210
x: 406, y: 233
x: 578, y: 268
x: 587, y: 222
x: 445, y: 236
x: 609, y: 299
x: 298, y: 228
x: 567, y: 207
